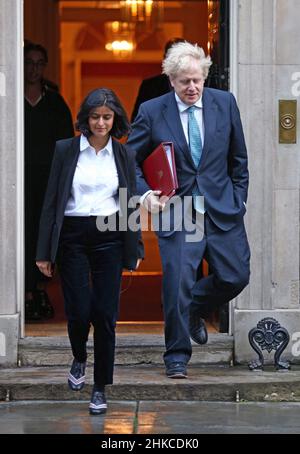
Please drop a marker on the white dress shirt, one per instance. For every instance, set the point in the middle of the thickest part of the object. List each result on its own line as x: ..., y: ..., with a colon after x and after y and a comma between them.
x: 182, y: 107
x: 95, y: 183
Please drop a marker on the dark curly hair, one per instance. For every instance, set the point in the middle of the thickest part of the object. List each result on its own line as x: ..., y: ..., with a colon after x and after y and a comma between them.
x: 98, y: 98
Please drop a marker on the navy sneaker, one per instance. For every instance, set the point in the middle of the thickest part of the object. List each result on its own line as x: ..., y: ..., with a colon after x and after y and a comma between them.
x: 76, y: 376
x: 98, y: 404
x: 176, y: 370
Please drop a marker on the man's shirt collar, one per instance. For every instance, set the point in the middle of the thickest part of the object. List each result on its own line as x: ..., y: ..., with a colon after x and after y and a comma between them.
x: 182, y: 106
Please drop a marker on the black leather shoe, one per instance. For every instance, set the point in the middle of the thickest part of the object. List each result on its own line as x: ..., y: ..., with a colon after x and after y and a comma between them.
x: 76, y: 376
x: 176, y: 370
x: 198, y: 331
x: 32, y: 310
x: 98, y: 404
x: 46, y: 308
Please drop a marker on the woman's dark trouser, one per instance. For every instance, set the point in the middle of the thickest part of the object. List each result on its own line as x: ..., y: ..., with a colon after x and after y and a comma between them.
x: 90, y: 265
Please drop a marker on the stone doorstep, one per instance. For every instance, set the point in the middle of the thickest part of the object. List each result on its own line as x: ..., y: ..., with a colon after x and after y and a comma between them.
x: 130, y: 349
x: 149, y: 382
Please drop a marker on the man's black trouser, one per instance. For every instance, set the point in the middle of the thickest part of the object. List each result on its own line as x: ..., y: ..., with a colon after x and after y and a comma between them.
x: 228, y: 256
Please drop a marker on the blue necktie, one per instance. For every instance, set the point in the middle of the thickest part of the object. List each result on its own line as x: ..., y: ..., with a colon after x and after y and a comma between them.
x: 194, y: 136
x: 196, y: 152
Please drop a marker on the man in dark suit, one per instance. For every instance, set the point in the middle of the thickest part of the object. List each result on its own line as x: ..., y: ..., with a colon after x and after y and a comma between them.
x: 154, y: 86
x: 211, y: 161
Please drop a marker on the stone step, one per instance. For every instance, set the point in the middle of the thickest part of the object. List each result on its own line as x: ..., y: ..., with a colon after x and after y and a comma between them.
x: 148, y: 382
x: 130, y: 350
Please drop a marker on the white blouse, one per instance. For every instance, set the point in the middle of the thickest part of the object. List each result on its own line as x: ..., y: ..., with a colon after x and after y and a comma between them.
x: 95, y: 183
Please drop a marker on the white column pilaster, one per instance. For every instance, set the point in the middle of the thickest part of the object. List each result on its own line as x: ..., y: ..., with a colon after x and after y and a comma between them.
x: 267, y: 57
x: 11, y: 177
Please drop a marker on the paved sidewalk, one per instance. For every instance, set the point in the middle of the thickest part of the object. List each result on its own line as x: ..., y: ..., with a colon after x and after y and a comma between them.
x: 150, y: 417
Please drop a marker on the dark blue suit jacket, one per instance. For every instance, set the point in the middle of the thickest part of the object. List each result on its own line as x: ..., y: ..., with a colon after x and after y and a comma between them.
x: 58, y: 193
x: 222, y: 174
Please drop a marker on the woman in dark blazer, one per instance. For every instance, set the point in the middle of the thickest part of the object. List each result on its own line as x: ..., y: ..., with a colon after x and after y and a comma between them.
x: 80, y: 230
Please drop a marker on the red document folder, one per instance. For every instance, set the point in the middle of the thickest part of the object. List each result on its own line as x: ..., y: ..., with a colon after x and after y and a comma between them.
x: 160, y: 171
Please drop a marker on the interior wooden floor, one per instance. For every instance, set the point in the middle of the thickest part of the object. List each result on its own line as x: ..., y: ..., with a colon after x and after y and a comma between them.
x: 45, y: 329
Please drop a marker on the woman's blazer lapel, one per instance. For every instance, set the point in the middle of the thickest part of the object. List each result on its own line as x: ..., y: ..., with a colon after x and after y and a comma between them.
x: 121, y: 164
x: 67, y: 174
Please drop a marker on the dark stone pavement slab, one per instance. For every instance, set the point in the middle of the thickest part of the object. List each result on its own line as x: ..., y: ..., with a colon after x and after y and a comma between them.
x: 218, y: 418
x: 65, y: 418
x: 150, y: 417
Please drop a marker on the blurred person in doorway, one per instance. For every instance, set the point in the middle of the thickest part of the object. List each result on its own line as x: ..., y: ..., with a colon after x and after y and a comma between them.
x: 155, y: 86
x: 47, y: 119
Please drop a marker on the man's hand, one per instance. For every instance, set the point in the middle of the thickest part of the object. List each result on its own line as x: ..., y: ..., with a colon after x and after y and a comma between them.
x: 45, y: 268
x: 153, y: 203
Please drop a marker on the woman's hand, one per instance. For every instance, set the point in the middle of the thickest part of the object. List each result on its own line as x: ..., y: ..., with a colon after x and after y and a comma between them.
x: 138, y: 263
x: 45, y: 268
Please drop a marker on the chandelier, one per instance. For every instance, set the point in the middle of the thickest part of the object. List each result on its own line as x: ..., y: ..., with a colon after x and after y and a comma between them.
x: 138, y: 18
x: 142, y: 12
x: 137, y: 10
x: 120, y: 39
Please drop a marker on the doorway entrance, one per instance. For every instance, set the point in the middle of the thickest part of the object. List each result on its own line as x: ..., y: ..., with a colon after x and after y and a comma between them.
x: 80, y: 59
